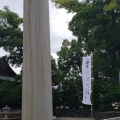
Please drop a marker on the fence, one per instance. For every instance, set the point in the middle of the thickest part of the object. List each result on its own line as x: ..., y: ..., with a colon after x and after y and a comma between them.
x: 110, y: 115
x: 75, y: 112
x: 66, y: 114
x: 85, y: 113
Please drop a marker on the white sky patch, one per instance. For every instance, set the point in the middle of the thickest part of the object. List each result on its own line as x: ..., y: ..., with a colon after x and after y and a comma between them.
x: 16, y: 69
x: 59, y: 19
x: 54, y: 56
x: 3, y: 52
x: 14, y: 5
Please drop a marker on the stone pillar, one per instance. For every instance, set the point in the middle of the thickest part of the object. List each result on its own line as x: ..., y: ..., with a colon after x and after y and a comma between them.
x: 37, y: 85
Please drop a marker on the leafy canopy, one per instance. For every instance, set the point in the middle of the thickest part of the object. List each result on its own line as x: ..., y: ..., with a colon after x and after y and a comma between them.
x: 11, y: 35
x: 96, y: 24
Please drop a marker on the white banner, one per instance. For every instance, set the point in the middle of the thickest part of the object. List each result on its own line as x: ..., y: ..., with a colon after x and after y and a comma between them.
x: 86, y: 78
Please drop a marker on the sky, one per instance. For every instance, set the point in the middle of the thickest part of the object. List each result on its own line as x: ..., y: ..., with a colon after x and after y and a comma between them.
x: 59, y: 19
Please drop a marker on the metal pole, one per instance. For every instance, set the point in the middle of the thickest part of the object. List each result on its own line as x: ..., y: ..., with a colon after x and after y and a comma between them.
x: 119, y: 77
x: 91, y: 112
x: 92, y: 80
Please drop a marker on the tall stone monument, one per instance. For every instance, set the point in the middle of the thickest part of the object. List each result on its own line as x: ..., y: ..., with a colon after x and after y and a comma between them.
x: 37, y: 86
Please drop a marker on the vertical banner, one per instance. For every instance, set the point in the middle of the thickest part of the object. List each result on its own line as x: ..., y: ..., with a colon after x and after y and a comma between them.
x: 86, y: 79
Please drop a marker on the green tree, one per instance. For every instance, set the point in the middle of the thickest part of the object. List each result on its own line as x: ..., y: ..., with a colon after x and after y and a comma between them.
x: 11, y: 93
x: 11, y: 36
x: 69, y: 91
x: 112, y: 96
x: 96, y: 24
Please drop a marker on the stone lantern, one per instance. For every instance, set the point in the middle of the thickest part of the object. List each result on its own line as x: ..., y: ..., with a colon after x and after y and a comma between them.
x: 6, y: 111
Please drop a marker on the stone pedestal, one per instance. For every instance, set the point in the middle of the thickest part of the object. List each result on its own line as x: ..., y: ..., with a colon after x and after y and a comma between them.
x: 37, y: 85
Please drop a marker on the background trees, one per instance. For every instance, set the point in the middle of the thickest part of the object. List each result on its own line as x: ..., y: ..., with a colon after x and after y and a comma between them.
x: 96, y: 24
x: 69, y: 91
x: 11, y: 36
x: 11, y: 40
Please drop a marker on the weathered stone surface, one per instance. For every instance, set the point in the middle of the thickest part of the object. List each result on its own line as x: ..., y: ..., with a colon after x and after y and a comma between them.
x: 37, y: 87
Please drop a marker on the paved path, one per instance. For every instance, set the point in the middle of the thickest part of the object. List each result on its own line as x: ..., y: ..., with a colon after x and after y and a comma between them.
x: 72, y: 118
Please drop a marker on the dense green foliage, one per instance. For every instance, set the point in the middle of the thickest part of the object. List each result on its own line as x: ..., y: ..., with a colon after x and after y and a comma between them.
x: 11, y: 94
x: 11, y: 36
x: 96, y: 24
x: 68, y: 94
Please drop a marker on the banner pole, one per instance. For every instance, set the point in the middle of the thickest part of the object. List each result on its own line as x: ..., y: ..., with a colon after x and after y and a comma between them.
x: 92, y: 80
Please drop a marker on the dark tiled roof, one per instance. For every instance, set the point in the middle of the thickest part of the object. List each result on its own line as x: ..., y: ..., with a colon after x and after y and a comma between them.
x: 6, y: 70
